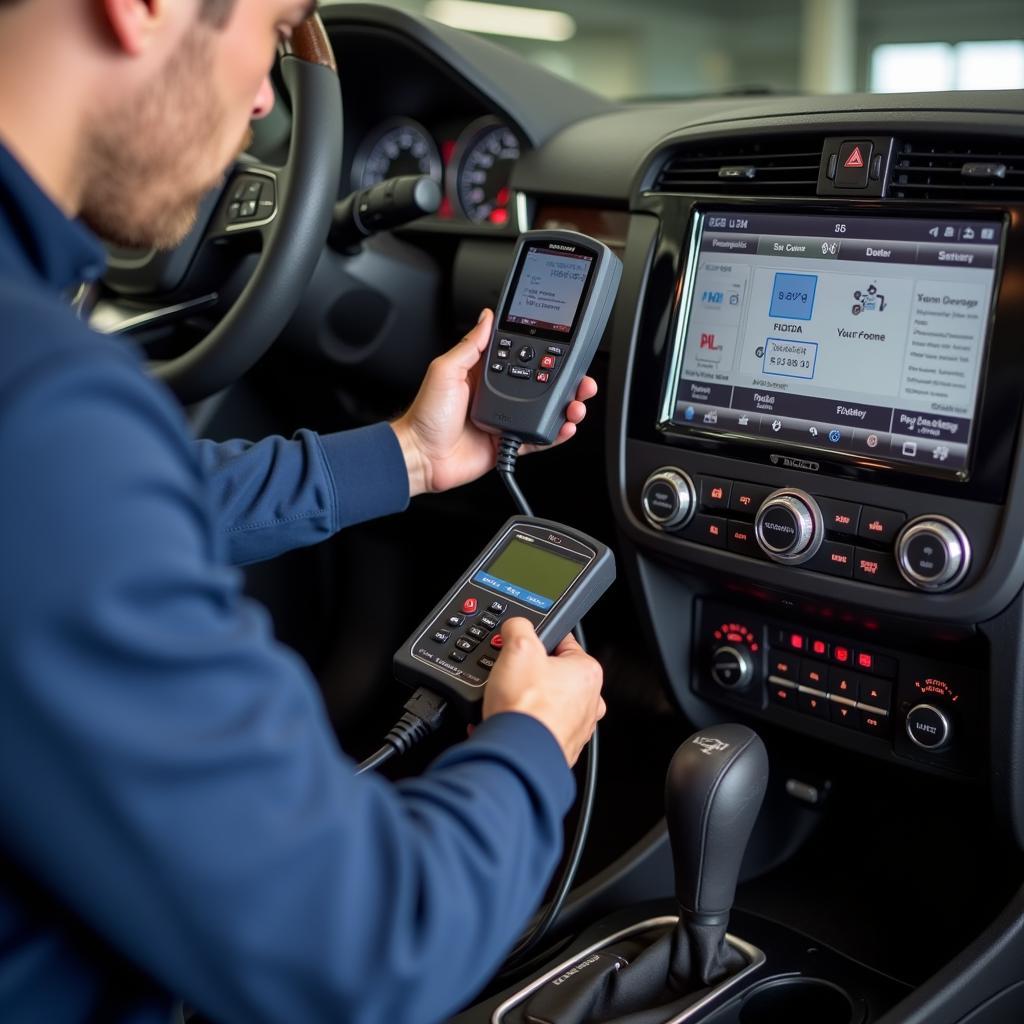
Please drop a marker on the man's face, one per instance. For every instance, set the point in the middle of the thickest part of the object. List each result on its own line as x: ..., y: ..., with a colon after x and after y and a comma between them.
x: 151, y: 157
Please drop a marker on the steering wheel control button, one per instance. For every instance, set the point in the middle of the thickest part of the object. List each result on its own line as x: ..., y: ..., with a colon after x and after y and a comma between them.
x: 525, y: 354
x: 247, y: 209
x: 668, y: 499
x: 789, y: 526
x: 929, y: 727
x: 732, y: 667
x: 933, y: 553
x: 714, y: 492
x: 469, y: 606
x: 880, y: 525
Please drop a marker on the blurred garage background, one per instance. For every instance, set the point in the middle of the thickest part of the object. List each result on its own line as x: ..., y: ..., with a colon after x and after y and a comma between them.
x: 673, y: 48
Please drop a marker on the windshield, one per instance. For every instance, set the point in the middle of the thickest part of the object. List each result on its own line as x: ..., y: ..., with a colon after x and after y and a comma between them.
x: 650, y: 49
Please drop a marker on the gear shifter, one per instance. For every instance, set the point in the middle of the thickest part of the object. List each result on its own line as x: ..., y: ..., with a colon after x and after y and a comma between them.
x: 713, y: 793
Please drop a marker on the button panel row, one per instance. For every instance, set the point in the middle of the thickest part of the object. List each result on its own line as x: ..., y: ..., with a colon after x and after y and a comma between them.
x: 477, y: 626
x: 520, y: 360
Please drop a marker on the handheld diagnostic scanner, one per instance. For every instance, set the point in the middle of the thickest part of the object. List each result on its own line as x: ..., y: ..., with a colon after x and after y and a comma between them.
x: 553, y: 311
x: 532, y: 568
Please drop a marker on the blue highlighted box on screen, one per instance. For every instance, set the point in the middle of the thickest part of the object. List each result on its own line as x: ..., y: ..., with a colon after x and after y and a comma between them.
x: 793, y: 296
x: 501, y: 586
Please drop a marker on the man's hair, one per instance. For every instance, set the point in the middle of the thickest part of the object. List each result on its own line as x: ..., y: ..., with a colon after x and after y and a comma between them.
x: 213, y: 11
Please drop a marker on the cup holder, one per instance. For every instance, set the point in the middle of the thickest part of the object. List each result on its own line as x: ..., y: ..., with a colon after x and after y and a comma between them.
x: 797, y: 1001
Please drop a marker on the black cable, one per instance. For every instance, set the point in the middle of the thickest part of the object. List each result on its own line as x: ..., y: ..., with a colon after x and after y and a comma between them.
x: 424, y: 712
x: 508, y: 453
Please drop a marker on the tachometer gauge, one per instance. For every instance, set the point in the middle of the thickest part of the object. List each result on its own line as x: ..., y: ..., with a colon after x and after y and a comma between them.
x: 486, y: 153
x: 397, y: 147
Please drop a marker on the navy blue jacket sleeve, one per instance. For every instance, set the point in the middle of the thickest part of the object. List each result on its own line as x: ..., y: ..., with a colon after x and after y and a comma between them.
x: 275, y: 495
x: 167, y: 769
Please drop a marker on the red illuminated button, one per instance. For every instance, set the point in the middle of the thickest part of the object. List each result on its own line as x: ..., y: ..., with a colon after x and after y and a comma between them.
x: 876, y: 692
x: 783, y: 695
x: 843, y: 683
x: 876, y: 725
x: 841, y: 654
x: 796, y: 641
x: 547, y: 362
x: 813, y: 676
x: 880, y: 525
x: 496, y: 641
x: 469, y: 606
x: 844, y: 714
x: 542, y: 376
x: 865, y: 660
x: 785, y: 667
x: 817, y: 706
x: 820, y: 648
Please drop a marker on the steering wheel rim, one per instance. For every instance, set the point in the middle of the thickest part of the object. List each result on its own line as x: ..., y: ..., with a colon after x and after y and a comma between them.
x: 293, y: 234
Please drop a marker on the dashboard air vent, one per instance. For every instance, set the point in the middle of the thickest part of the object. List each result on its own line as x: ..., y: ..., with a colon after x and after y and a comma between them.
x: 964, y: 167
x: 783, y: 165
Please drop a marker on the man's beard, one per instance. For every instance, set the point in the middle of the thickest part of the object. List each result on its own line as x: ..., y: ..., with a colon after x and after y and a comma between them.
x: 142, y: 158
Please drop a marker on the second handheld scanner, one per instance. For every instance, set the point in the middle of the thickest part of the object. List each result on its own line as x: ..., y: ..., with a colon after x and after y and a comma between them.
x: 552, y: 313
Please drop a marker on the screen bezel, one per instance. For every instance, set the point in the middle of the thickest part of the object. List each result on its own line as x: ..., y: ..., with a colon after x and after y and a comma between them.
x: 565, y: 337
x: 679, y: 321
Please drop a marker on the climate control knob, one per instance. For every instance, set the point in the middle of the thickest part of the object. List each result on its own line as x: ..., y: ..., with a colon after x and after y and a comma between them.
x: 933, y: 553
x: 732, y: 667
x: 929, y: 727
x: 789, y: 526
x: 669, y: 498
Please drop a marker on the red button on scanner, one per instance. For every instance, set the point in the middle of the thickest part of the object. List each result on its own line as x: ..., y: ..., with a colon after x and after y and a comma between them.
x: 547, y: 362
x: 496, y: 641
x: 469, y: 606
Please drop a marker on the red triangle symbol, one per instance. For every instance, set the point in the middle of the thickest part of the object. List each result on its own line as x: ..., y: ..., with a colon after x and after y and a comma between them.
x: 854, y: 159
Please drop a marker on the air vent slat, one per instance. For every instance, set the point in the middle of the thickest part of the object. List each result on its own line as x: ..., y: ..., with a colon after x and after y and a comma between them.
x: 932, y: 168
x: 778, y: 166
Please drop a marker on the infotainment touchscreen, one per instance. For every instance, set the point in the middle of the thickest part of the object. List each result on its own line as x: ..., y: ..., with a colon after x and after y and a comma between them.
x: 861, y: 335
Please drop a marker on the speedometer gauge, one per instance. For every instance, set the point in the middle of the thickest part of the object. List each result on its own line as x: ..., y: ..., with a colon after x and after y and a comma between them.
x: 486, y: 155
x: 397, y: 147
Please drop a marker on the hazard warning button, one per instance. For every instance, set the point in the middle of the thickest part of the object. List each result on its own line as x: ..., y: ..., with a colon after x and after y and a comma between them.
x: 854, y: 161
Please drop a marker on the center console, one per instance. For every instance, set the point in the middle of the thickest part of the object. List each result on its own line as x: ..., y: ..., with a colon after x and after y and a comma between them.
x: 817, y: 463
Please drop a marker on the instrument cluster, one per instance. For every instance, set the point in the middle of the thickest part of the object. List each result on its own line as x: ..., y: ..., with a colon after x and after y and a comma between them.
x: 472, y: 163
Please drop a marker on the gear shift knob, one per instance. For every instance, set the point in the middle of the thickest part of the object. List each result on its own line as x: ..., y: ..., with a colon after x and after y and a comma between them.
x: 714, y: 789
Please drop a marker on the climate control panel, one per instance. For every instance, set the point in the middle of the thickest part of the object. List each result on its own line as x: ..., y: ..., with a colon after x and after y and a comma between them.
x: 791, y: 526
x: 860, y: 694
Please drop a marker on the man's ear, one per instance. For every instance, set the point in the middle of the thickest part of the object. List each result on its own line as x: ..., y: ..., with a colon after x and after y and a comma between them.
x: 132, y: 22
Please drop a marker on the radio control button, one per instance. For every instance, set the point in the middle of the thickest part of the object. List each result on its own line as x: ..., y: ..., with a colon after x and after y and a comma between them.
x: 840, y: 516
x: 844, y: 714
x: 741, y: 539
x: 812, y: 704
x: 835, y: 559
x: 747, y: 497
x: 880, y: 525
x: 710, y: 530
x: 876, y: 567
x: 789, y: 526
x: 714, y: 492
x: 933, y: 553
x: 669, y: 498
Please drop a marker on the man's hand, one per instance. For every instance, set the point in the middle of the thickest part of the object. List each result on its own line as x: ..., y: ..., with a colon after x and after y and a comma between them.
x: 562, y: 691
x: 442, y: 446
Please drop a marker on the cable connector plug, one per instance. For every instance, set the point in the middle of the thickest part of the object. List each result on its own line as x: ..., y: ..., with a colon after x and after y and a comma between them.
x: 424, y: 712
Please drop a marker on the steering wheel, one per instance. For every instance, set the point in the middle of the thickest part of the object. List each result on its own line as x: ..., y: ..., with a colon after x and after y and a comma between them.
x: 284, y: 212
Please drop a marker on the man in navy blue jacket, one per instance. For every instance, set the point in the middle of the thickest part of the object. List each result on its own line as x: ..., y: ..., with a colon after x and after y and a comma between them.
x: 176, y: 818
